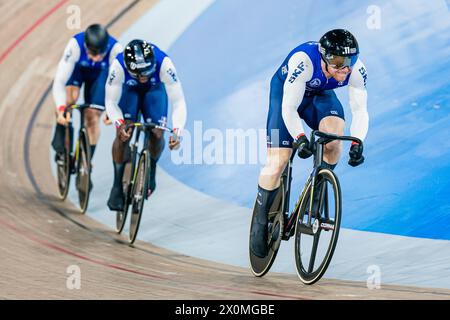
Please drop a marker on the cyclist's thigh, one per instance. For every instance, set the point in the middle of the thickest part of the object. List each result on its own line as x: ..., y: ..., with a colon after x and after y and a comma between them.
x: 277, y: 134
x: 129, y: 102
x: 324, y: 104
x: 155, y: 104
x: 278, y: 157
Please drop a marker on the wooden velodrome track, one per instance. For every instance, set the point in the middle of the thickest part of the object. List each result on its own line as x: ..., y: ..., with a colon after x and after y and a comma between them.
x: 41, y: 236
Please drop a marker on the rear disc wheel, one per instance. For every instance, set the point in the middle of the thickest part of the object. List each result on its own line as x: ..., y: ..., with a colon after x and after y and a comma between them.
x: 83, y: 170
x: 63, y: 166
x: 260, y: 266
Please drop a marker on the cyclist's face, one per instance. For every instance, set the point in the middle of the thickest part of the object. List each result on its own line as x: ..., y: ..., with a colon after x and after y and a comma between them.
x: 95, y: 57
x: 339, y: 74
x: 143, y: 79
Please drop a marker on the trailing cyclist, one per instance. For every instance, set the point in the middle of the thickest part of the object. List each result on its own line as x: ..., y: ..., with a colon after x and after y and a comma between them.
x: 302, y: 88
x: 142, y: 80
x: 85, y: 61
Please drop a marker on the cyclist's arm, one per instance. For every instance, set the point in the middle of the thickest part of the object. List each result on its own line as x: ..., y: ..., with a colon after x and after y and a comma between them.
x: 169, y: 77
x: 116, y: 49
x: 113, y: 93
x: 358, y: 101
x: 300, y: 71
x: 64, y: 71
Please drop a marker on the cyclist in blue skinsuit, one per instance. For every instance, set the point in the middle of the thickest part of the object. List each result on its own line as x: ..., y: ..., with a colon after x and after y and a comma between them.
x: 302, y: 88
x: 85, y: 61
x: 142, y: 80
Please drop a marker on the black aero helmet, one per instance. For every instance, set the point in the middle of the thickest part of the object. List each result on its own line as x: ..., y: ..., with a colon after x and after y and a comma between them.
x: 139, y: 58
x: 96, y: 39
x: 339, y: 48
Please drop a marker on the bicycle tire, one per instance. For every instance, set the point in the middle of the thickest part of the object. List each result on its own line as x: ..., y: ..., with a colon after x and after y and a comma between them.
x: 306, y: 275
x: 83, y: 170
x: 63, y: 171
x: 138, y: 195
x: 260, y: 266
x: 127, y: 184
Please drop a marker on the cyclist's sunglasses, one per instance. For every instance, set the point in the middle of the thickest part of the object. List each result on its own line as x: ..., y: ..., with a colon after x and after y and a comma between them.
x: 339, y: 62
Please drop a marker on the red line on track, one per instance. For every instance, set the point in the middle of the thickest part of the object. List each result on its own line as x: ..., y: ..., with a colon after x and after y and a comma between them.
x: 5, y: 54
x: 116, y: 267
x: 74, y: 254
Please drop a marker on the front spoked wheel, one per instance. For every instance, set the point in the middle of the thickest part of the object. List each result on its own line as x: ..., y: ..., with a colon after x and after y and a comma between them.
x: 260, y: 266
x: 316, y: 234
x: 138, y: 195
x: 83, y: 170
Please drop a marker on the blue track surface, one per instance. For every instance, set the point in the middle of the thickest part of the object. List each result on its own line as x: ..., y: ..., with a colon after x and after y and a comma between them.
x: 225, y: 60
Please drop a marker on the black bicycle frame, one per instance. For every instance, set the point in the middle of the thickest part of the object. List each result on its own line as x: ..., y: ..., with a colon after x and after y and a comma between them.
x: 317, y: 147
x: 146, y: 128
x: 81, y: 108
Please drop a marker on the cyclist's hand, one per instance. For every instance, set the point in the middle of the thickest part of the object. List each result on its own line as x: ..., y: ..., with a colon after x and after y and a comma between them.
x: 61, y: 118
x: 356, y: 157
x: 174, y: 141
x: 106, y: 120
x: 303, y: 150
x: 124, y: 135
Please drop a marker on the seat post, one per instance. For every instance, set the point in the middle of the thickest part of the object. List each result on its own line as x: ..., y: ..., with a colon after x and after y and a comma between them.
x: 81, y: 117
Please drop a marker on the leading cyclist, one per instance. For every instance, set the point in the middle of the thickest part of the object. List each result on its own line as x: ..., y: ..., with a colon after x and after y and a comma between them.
x: 302, y: 89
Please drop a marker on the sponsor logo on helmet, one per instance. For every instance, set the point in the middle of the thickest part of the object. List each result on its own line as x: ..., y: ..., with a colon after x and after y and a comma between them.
x: 322, y: 49
x: 300, y: 68
x: 134, y: 66
x: 315, y: 83
x: 349, y: 50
